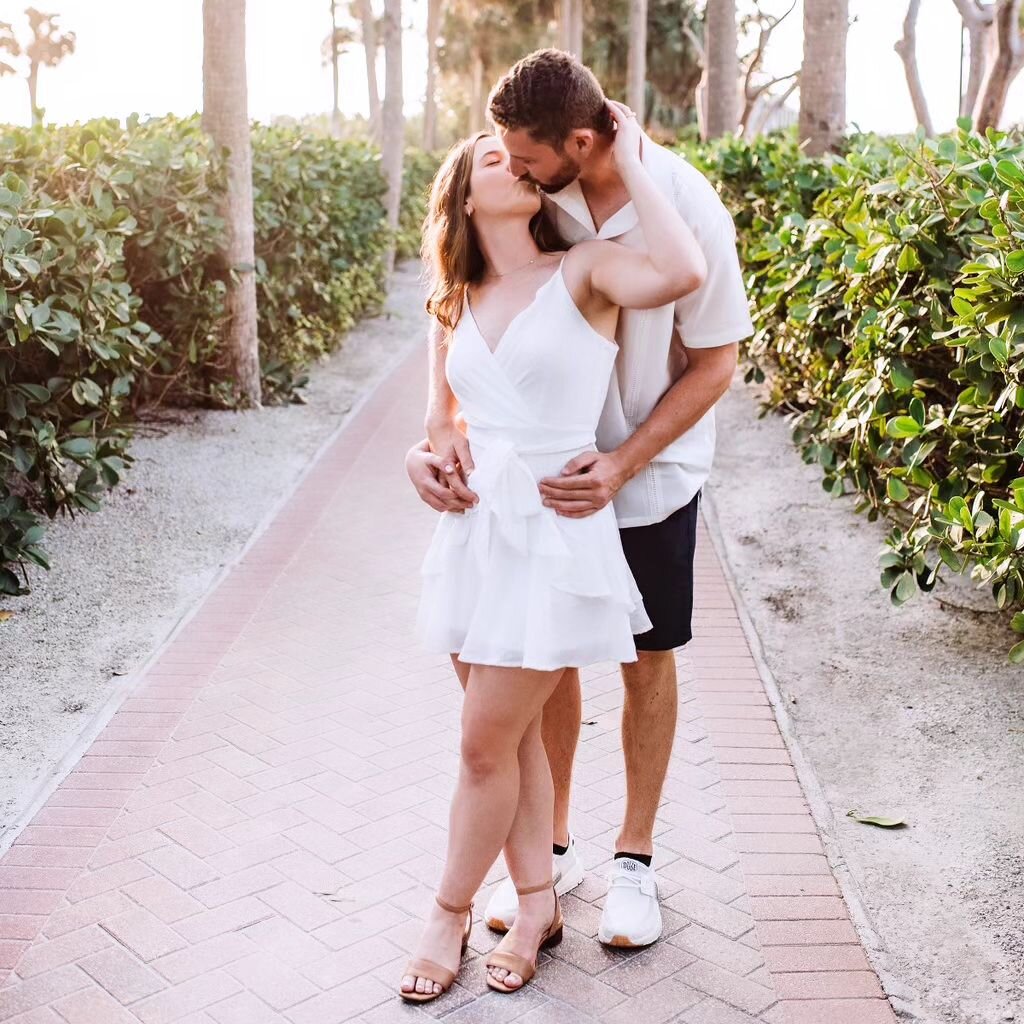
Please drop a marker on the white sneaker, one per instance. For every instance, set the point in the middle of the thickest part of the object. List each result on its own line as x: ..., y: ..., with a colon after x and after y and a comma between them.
x: 631, y: 915
x: 567, y: 871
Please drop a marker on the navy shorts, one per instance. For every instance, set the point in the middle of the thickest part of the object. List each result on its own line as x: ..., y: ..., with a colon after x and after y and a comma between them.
x: 660, y: 557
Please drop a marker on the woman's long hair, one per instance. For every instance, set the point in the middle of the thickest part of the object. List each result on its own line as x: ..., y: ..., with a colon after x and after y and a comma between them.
x: 450, y: 249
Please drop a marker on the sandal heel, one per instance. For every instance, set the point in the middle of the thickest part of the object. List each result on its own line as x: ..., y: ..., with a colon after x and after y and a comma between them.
x: 553, y: 939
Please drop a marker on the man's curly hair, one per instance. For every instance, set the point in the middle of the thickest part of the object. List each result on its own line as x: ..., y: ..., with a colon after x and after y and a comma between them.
x: 550, y: 94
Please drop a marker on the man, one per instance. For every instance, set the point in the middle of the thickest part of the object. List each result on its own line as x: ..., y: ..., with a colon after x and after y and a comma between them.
x: 656, y: 440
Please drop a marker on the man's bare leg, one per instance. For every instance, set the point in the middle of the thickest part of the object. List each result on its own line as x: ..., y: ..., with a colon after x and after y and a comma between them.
x: 560, y: 727
x: 648, y: 729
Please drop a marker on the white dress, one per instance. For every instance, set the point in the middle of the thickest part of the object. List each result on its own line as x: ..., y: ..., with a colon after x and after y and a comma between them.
x: 510, y: 582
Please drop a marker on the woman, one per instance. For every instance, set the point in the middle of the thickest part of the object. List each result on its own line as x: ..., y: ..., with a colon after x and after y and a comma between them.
x: 514, y: 592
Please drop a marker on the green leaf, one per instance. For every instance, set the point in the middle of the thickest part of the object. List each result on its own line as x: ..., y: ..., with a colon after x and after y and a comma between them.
x: 1015, y: 261
x: 1010, y: 172
x: 908, y: 259
x: 897, y: 489
x: 1016, y: 654
x: 901, y: 375
x: 903, y: 426
x: 77, y: 446
x: 906, y: 588
x: 874, y: 819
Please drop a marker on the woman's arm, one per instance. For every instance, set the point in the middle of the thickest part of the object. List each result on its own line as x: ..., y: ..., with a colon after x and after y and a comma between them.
x: 438, y: 468
x: 673, y: 265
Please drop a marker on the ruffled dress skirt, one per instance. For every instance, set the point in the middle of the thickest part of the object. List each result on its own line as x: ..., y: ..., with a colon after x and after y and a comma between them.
x: 512, y: 583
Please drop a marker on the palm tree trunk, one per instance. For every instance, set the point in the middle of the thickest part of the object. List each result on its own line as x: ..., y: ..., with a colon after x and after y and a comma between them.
x: 722, y: 68
x: 636, y: 72
x: 435, y: 12
x: 476, y: 92
x: 823, y: 75
x: 368, y: 30
x: 907, y: 50
x: 978, y: 21
x: 226, y: 119
x: 1005, y: 67
x: 33, y: 89
x: 392, y: 122
x: 335, y: 108
x: 571, y: 26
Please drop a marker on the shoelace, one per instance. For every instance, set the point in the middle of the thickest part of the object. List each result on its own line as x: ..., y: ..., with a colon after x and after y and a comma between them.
x: 623, y: 880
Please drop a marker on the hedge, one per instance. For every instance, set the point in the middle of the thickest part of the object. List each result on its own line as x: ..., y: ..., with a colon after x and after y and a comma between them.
x: 887, y: 286
x: 111, y: 290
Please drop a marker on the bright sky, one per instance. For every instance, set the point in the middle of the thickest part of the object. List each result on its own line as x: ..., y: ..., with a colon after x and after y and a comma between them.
x: 133, y: 55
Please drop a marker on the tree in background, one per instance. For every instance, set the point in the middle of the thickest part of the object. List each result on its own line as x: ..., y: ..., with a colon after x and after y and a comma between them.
x: 978, y: 18
x: 392, y: 120
x: 823, y: 75
x: 672, y: 59
x: 722, y: 68
x: 480, y: 40
x: 226, y: 119
x: 571, y: 20
x: 333, y: 46
x: 759, y: 104
x: 47, y: 47
x: 906, y: 47
x: 362, y: 10
x: 1006, y: 63
x: 636, y: 67
x: 435, y: 13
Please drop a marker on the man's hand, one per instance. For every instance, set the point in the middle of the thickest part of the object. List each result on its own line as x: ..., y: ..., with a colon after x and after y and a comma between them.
x: 426, y: 471
x: 586, y: 484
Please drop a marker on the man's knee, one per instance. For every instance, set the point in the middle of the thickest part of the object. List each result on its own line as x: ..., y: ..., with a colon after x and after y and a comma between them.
x: 650, y: 668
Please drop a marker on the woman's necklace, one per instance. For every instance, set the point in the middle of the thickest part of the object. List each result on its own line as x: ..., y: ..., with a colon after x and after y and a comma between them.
x: 513, y: 270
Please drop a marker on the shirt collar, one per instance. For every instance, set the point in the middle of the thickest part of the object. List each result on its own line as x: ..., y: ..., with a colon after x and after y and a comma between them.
x: 572, y: 202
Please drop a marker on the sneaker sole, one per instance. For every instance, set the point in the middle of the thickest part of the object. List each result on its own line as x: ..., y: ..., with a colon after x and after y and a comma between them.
x: 566, y: 883
x: 625, y: 942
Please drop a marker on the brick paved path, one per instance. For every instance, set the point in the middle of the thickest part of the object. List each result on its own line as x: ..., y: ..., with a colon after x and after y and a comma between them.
x: 255, y: 834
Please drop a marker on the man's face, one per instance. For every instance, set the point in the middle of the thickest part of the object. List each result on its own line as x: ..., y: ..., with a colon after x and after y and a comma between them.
x: 538, y: 163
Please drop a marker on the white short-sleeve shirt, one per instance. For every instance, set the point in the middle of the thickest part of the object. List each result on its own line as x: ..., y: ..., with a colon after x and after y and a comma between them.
x: 652, y: 342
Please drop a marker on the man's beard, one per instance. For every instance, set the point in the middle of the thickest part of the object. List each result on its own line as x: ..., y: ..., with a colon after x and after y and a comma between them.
x: 568, y: 172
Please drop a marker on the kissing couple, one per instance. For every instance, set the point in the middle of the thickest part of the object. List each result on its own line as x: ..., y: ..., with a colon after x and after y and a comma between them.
x: 586, y: 305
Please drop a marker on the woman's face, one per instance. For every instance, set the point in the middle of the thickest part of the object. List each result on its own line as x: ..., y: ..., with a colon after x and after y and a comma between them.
x: 493, y: 190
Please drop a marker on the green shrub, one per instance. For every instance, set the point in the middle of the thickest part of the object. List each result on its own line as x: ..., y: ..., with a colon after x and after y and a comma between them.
x: 71, y: 337
x: 320, y: 241
x: 419, y: 170
x: 888, y: 294
x: 112, y: 290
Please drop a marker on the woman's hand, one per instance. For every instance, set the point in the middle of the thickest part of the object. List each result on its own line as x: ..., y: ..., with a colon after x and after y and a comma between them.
x: 426, y: 473
x: 626, y: 147
x: 451, y: 446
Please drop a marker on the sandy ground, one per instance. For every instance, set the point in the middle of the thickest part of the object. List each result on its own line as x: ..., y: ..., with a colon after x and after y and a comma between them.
x: 912, y: 713
x: 121, y: 578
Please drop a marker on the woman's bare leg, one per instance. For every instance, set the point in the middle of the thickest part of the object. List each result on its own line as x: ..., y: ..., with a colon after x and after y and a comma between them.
x: 500, y: 705
x: 528, y: 852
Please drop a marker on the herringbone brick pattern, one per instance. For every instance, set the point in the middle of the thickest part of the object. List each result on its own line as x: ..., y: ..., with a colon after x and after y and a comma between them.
x: 255, y: 835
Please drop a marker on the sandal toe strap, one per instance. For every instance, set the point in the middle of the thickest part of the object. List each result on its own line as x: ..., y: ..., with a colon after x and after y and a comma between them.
x: 419, y: 968
x: 513, y: 963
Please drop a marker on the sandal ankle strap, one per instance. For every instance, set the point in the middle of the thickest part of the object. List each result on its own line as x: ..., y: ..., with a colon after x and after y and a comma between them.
x: 529, y: 890
x: 445, y: 905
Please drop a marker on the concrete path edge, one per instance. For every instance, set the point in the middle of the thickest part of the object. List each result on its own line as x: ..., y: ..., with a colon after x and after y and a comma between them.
x: 904, y: 1000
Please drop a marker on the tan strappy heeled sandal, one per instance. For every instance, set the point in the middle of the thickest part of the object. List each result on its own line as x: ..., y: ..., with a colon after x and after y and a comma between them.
x: 515, y: 964
x: 420, y: 968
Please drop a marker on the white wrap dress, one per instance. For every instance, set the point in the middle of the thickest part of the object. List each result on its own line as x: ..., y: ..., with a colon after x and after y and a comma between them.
x: 510, y: 582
